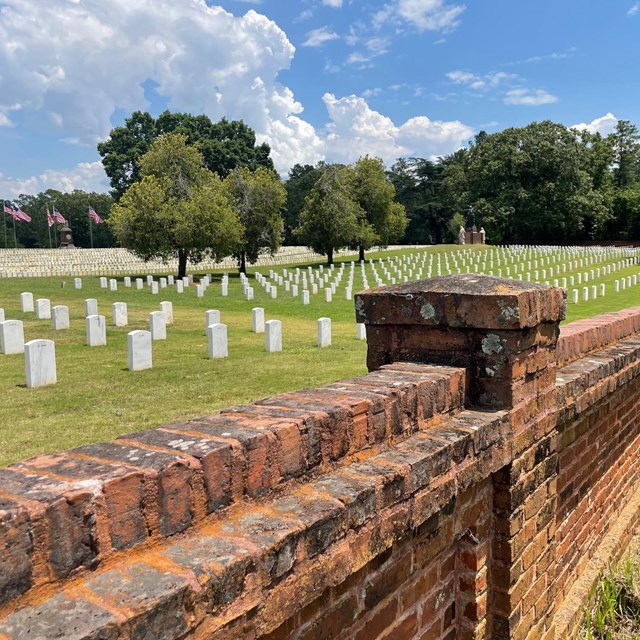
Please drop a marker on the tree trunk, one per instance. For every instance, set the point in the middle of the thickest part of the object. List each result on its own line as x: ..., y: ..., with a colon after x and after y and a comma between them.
x: 360, y: 253
x: 183, y: 255
x: 243, y: 262
x: 330, y: 256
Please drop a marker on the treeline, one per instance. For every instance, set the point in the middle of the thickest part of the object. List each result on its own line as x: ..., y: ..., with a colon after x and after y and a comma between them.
x: 543, y: 183
x: 73, y: 207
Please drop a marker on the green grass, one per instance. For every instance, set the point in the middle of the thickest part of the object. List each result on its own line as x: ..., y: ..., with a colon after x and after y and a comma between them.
x: 97, y: 398
x: 614, y: 610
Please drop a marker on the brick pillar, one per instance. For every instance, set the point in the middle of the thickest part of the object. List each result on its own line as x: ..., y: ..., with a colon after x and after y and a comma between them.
x: 504, y: 333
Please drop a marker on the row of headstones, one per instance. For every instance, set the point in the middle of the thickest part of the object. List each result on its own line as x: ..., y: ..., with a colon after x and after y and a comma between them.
x: 40, y: 356
x: 154, y: 285
x: 60, y: 313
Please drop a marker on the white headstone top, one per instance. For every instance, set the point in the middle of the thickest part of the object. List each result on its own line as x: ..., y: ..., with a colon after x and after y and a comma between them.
x: 158, y: 325
x: 324, y: 332
x: 90, y: 307
x: 40, y: 363
x: 211, y: 317
x: 167, y: 308
x: 60, y: 317
x: 217, y: 339
x: 257, y: 320
x: 12, y: 337
x: 139, y: 350
x: 120, y: 315
x: 96, y: 331
x: 26, y: 301
x: 43, y: 309
x: 273, y: 336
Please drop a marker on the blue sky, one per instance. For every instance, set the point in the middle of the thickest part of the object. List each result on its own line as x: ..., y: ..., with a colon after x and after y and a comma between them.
x: 317, y: 79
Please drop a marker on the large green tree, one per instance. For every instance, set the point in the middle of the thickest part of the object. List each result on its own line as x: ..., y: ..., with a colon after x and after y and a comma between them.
x: 528, y: 185
x: 418, y: 185
x: 258, y: 197
x: 224, y: 145
x: 330, y: 217
x: 178, y: 209
x: 382, y: 219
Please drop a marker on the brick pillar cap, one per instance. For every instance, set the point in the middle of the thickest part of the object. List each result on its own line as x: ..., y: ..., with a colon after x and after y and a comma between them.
x: 465, y: 301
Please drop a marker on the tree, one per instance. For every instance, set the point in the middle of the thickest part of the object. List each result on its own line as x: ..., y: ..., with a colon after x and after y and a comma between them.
x: 258, y: 197
x: 382, y: 220
x: 178, y: 208
x: 329, y: 218
x: 224, y: 145
x: 527, y: 185
x: 301, y: 180
x: 418, y: 185
x: 626, y: 153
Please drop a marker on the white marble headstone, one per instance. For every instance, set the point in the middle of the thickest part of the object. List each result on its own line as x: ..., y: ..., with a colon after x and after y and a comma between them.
x: 60, y: 317
x: 120, y: 315
x: 40, y: 363
x: 90, y: 307
x: 211, y: 317
x: 257, y: 320
x: 167, y: 308
x: 324, y: 332
x: 217, y: 338
x: 12, y: 337
x: 43, y: 309
x: 26, y: 301
x: 273, y: 336
x: 158, y: 325
x: 139, y: 350
x: 96, y: 331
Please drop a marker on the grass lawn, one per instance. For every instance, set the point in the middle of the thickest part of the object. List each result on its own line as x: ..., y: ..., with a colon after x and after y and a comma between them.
x: 97, y: 398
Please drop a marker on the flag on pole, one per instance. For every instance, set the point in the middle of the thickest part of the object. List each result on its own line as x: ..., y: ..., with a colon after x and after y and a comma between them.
x: 50, y: 220
x: 9, y: 211
x: 94, y: 216
x: 21, y: 215
x: 58, y: 216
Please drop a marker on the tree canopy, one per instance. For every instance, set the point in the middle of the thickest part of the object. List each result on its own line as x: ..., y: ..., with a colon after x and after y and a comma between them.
x: 224, y: 145
x: 330, y: 217
x: 258, y: 197
x: 382, y: 219
x: 178, y: 208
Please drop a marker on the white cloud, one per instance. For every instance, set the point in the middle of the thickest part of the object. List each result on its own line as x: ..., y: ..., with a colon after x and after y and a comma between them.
x: 425, y: 15
x: 356, y: 129
x: 317, y: 37
x: 70, y: 65
x: 88, y: 176
x: 603, y: 125
x: 481, y: 83
x: 529, y: 97
x: 634, y: 9
x: 336, y: 4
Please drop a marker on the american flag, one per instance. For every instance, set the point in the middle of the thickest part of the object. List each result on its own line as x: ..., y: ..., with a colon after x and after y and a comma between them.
x: 95, y: 217
x: 9, y: 211
x: 21, y: 215
x: 58, y: 216
x: 50, y: 220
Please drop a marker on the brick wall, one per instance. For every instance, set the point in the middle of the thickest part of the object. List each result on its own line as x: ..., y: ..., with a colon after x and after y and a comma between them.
x: 471, y: 486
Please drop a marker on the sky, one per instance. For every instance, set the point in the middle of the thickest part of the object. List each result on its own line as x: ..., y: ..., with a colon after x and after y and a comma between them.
x: 317, y: 79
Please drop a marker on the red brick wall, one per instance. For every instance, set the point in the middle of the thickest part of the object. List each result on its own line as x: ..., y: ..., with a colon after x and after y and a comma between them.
x: 471, y: 498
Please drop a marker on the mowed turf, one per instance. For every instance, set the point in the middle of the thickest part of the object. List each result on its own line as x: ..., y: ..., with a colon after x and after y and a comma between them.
x: 97, y: 398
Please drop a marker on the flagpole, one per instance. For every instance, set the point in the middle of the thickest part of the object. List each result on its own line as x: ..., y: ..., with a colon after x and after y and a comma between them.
x: 15, y: 237
x: 48, y: 228
x: 4, y: 218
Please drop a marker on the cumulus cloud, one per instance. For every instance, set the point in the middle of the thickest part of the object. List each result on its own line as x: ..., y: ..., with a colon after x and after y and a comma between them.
x: 356, y: 129
x: 634, y: 9
x: 317, y: 37
x: 70, y: 65
x: 603, y: 125
x: 425, y: 15
x: 88, y: 176
x: 336, y: 4
x: 529, y: 97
